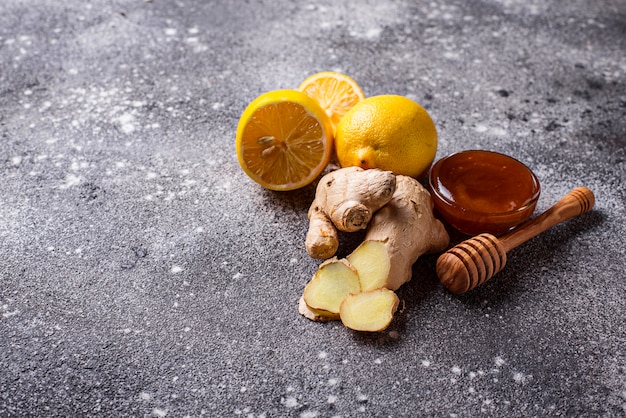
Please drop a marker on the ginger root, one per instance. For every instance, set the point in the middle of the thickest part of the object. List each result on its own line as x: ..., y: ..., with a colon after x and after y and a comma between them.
x: 407, y: 228
x: 345, y: 200
x: 397, y: 235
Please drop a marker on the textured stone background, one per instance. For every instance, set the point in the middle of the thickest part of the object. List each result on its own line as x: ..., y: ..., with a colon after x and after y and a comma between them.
x: 143, y: 274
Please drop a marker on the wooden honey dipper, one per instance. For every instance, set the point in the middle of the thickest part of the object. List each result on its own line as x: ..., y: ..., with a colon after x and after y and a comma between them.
x: 476, y: 260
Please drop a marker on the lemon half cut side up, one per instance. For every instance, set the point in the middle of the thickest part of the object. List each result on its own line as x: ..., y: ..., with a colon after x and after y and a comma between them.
x: 284, y: 140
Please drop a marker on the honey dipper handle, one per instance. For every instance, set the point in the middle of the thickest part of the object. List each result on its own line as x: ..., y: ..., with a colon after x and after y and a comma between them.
x: 578, y: 201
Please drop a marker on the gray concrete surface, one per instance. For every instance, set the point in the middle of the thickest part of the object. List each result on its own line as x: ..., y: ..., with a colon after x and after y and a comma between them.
x: 143, y: 274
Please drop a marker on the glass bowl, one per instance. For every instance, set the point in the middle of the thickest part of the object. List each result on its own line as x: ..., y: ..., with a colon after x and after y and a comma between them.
x: 478, y: 191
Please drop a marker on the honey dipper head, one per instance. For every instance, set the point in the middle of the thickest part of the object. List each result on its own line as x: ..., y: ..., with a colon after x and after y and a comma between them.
x: 471, y: 263
x: 452, y: 273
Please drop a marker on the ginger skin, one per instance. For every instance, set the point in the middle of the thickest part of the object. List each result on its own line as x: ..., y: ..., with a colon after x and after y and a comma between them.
x: 317, y: 315
x: 345, y: 200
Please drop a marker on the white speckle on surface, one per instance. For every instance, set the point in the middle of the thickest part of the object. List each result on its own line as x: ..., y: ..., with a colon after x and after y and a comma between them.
x: 126, y: 122
x: 293, y: 260
x: 362, y: 398
x: 237, y: 276
x: 158, y: 412
x: 71, y: 180
x: 290, y: 402
x: 187, y: 329
x: 426, y: 363
x: 322, y: 355
x: 6, y: 313
x: 519, y: 377
x: 17, y: 160
x: 498, y: 132
x: 199, y: 229
x: 499, y: 361
x: 193, y: 31
x: 373, y: 33
x: 217, y: 106
x: 332, y: 381
x: 176, y: 269
x: 145, y: 396
x: 309, y: 414
x: 170, y: 31
x: 481, y: 128
x: 331, y: 399
x: 378, y: 361
x: 456, y: 370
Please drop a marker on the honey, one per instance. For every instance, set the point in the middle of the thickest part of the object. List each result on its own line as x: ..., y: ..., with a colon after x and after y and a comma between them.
x: 483, y: 191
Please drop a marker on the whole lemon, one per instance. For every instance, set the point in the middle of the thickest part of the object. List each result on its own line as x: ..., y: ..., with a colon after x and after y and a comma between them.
x: 389, y: 132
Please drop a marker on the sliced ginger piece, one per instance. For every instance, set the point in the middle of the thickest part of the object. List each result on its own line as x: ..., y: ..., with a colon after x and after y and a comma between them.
x: 369, y: 311
x: 333, y: 281
x: 372, y: 263
x: 317, y: 315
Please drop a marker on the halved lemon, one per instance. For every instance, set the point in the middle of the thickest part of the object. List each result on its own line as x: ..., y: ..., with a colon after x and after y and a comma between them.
x: 284, y: 140
x: 335, y: 92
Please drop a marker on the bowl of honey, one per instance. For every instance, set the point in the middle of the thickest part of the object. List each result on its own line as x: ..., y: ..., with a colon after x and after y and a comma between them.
x: 478, y: 191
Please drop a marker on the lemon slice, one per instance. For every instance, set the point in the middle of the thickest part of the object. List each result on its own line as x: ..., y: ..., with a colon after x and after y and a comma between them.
x: 284, y: 140
x: 335, y: 92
